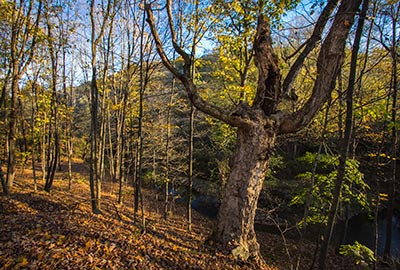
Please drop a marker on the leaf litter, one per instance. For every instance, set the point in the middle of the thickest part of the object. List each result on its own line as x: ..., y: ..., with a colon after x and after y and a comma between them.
x: 58, y: 231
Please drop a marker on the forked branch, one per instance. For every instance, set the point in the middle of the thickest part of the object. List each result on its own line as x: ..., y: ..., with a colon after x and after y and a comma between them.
x: 329, y: 61
x: 309, y: 45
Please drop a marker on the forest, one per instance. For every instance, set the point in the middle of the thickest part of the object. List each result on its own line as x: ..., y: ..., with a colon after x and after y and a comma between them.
x: 188, y: 134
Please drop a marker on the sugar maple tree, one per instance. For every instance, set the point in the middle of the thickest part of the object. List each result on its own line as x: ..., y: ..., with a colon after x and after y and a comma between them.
x: 259, y: 122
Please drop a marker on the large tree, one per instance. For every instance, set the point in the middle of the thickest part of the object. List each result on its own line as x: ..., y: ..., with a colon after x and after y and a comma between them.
x: 259, y: 123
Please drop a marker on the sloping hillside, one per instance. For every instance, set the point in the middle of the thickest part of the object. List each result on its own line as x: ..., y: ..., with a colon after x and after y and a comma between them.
x: 58, y: 231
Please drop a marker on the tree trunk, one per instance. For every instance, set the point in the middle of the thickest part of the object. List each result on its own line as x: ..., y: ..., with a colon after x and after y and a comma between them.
x: 190, y: 167
x: 121, y: 142
x: 345, y: 145
x: 53, y: 163
x: 20, y: 55
x: 143, y: 77
x: 95, y: 138
x: 11, y: 134
x: 33, y: 124
x: 54, y: 145
x: 6, y: 192
x: 167, y: 183
x: 236, y: 216
x: 70, y: 145
x: 394, y: 131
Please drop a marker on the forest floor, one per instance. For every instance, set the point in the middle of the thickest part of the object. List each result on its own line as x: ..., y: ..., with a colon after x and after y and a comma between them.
x: 57, y: 230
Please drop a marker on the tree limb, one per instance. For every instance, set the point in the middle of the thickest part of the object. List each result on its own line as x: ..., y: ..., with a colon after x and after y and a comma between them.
x: 268, y: 88
x: 309, y: 45
x: 185, y: 77
x: 329, y: 60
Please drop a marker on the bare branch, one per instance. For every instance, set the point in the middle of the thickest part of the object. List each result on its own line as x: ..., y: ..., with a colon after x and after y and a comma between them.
x: 177, y: 48
x: 159, y: 46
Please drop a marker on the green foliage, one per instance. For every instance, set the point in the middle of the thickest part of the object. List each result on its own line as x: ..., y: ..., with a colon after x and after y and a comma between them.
x: 320, y: 194
x: 276, y: 162
x: 358, y: 252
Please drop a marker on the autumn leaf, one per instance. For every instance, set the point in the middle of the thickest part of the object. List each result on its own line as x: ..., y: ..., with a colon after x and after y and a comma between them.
x: 21, y: 263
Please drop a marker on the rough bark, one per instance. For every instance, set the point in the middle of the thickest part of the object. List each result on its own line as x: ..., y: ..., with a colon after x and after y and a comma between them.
x: 269, y: 78
x: 235, y: 228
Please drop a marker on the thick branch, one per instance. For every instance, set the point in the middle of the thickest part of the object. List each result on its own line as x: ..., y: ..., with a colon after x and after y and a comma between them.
x: 329, y: 60
x: 268, y: 89
x: 309, y: 45
x: 157, y: 40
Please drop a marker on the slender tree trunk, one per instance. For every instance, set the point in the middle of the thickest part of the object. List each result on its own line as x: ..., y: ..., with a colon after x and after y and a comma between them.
x: 394, y: 139
x: 53, y: 164
x: 96, y: 156
x: 70, y: 151
x: 11, y: 159
x: 53, y: 152
x: 143, y: 85
x: 69, y: 102
x: 139, y: 155
x: 43, y: 152
x: 93, y: 145
x: 54, y: 145
x: 3, y: 109
x: 121, y: 142
x: 100, y: 148
x: 167, y: 153
x: 112, y: 157
x: 191, y: 119
x: 190, y: 167
x: 20, y: 56
x: 33, y: 124
x: 3, y: 181
x: 342, y: 98
x: 345, y: 146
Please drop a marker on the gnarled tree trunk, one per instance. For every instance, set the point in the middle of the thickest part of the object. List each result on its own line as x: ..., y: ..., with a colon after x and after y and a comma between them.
x: 235, y: 228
